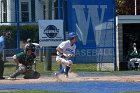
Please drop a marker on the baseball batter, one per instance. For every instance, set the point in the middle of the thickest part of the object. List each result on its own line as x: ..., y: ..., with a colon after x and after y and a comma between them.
x: 65, y: 51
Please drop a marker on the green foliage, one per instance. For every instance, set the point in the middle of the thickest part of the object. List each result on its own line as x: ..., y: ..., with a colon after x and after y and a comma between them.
x: 26, y: 31
x: 29, y: 31
x: 125, y: 7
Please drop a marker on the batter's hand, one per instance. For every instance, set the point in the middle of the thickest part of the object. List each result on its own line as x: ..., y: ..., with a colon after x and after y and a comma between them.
x: 65, y: 55
x: 68, y: 55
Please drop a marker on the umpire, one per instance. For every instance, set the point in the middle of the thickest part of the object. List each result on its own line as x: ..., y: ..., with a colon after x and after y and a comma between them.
x: 1, y: 56
x: 3, y: 37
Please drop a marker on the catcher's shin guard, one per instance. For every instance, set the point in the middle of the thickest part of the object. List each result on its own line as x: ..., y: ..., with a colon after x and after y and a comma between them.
x: 14, y: 75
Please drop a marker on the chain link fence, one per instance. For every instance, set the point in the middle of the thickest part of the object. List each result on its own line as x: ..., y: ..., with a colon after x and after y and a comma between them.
x: 20, y: 17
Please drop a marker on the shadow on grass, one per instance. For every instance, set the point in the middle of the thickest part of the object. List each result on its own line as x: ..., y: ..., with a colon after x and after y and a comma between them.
x: 9, y: 65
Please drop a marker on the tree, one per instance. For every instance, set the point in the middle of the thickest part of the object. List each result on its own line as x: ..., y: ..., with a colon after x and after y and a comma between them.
x: 125, y: 7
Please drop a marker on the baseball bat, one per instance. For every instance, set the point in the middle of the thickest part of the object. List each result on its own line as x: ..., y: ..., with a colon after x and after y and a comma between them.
x: 79, y: 32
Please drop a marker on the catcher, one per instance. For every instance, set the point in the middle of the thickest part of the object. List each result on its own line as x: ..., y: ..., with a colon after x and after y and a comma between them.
x: 25, y: 61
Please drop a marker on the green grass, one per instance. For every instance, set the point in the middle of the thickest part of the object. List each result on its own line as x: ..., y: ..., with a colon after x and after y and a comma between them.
x: 10, y: 67
x: 84, y: 67
x: 32, y: 91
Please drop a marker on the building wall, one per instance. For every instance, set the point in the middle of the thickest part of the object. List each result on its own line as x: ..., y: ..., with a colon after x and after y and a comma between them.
x: 11, y: 10
x: 39, y: 10
x: 120, y: 42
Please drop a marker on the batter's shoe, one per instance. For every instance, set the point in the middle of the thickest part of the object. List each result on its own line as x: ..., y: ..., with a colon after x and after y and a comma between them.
x: 56, y: 73
x: 66, y: 75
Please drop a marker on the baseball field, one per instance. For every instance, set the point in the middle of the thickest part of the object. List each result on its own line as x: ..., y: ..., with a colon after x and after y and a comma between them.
x: 79, y: 81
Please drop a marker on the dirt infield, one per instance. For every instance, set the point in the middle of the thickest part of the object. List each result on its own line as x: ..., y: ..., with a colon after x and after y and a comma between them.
x: 73, y: 77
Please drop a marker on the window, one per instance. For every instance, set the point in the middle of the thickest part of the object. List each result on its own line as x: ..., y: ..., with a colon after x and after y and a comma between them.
x: 25, y: 11
x: 58, y: 10
x: 33, y: 10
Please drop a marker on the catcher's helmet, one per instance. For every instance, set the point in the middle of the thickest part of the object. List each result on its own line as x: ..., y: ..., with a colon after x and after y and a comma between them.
x: 134, y: 44
x: 30, y: 47
x: 29, y: 40
x: 72, y: 35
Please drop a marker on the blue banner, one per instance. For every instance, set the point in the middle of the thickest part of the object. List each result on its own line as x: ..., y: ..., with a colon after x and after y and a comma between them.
x: 94, y: 22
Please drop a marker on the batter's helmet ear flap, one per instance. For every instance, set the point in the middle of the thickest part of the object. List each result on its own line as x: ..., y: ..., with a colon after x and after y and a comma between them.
x: 72, y: 35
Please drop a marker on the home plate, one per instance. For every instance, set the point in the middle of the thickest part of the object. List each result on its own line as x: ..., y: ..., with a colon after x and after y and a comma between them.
x: 62, y: 77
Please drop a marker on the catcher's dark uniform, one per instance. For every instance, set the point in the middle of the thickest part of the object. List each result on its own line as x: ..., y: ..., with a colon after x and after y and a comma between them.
x: 26, y: 62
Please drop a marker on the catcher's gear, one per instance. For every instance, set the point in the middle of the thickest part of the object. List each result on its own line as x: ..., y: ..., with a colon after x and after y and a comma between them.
x: 32, y: 75
x: 134, y: 44
x: 21, y: 68
x: 29, y: 40
x: 30, y: 47
x: 72, y: 35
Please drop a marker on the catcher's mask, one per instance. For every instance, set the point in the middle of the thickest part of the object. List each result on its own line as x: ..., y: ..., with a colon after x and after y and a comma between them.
x: 28, y: 48
x: 29, y: 40
x: 134, y: 44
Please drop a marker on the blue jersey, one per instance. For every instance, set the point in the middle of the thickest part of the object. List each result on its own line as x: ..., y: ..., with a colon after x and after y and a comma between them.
x: 1, y: 43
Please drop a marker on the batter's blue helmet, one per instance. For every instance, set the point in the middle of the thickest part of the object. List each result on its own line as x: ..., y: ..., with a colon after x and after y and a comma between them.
x: 72, y: 35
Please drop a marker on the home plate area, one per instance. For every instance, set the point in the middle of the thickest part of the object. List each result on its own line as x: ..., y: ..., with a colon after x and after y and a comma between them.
x: 75, y: 77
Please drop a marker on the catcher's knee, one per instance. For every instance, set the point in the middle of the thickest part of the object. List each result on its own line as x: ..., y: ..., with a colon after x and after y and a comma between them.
x: 21, y: 69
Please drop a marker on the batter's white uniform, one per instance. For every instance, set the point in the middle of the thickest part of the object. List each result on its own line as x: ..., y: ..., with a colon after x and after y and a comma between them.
x: 67, y: 49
